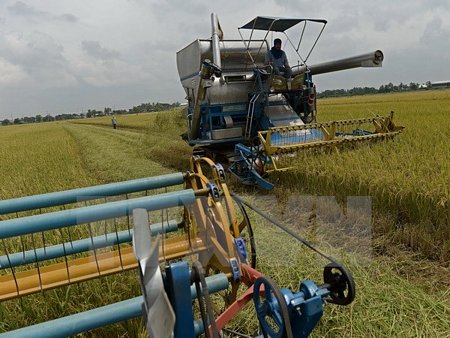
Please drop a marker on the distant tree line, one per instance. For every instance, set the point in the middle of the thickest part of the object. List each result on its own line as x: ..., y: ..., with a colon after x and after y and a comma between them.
x: 142, y: 108
x: 387, y: 88
x: 150, y: 107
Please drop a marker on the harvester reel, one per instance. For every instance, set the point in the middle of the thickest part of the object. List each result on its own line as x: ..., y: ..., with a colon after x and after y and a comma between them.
x: 220, y: 172
x: 214, y: 191
x: 272, y: 313
x: 341, y: 284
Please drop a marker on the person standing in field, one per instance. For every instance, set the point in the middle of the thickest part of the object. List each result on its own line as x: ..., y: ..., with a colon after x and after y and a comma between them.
x: 114, y: 122
x: 277, y: 58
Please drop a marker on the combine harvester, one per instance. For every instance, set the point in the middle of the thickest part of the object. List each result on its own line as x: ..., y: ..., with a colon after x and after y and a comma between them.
x: 196, y: 249
x: 244, y: 116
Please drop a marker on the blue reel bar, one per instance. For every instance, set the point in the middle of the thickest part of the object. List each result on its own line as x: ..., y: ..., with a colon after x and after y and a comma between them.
x: 89, y: 193
x: 61, y: 219
x: 105, y: 315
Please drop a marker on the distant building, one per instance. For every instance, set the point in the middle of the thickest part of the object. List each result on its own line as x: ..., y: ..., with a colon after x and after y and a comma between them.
x: 440, y: 84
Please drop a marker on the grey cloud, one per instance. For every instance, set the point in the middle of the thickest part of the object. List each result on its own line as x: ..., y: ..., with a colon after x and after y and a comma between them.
x: 38, y: 55
x: 443, y: 4
x: 30, y: 50
x: 297, y: 7
x: 165, y: 8
x: 22, y: 9
x: 66, y: 17
x: 435, y: 35
x: 94, y: 49
x: 141, y: 37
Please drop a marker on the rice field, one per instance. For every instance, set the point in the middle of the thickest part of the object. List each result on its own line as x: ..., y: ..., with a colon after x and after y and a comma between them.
x: 128, y: 121
x: 401, y: 292
x: 407, y: 179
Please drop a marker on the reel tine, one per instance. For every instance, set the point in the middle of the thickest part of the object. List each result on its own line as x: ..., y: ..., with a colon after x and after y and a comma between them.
x: 159, y: 315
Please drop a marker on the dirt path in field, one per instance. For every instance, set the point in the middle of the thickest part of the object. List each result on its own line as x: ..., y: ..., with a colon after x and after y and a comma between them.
x: 113, y: 155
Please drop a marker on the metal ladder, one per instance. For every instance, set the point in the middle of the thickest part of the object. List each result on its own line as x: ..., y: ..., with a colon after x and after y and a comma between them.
x: 250, y: 115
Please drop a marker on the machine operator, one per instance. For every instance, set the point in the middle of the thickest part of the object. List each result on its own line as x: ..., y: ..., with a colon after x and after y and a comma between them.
x: 277, y: 58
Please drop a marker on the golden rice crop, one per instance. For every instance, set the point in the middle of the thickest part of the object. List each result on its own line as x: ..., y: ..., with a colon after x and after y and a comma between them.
x: 49, y: 157
x: 130, y: 121
x: 407, y: 178
x: 39, y: 158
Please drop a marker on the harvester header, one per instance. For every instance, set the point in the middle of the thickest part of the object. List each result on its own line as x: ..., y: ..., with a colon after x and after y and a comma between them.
x: 207, y: 248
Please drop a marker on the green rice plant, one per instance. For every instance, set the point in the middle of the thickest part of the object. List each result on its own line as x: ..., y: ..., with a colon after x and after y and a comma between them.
x: 163, y: 140
x: 407, y: 178
x: 128, y: 121
x: 39, y: 158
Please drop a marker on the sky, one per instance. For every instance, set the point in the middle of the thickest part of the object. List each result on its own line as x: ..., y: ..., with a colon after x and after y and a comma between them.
x: 70, y: 56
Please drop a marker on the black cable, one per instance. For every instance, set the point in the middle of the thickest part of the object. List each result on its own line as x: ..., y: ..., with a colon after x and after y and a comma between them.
x: 199, y: 274
x: 201, y: 305
x: 250, y: 232
x: 284, y: 228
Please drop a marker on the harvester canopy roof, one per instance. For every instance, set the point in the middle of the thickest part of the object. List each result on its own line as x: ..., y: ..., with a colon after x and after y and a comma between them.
x: 274, y: 24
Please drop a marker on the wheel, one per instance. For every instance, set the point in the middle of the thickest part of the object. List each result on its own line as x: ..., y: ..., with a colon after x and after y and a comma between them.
x: 272, y: 313
x: 341, y: 285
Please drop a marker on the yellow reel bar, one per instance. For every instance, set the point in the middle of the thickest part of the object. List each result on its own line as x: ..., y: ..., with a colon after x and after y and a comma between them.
x: 277, y: 141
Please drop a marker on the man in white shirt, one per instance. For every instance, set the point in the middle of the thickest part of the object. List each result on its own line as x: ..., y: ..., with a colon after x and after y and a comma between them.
x: 278, y: 60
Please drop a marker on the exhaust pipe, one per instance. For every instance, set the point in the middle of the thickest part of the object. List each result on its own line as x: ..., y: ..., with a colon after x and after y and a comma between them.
x: 215, y: 40
x: 372, y: 59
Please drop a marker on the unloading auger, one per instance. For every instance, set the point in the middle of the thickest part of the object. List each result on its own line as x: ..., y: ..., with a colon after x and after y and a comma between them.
x: 243, y: 115
x: 201, y: 243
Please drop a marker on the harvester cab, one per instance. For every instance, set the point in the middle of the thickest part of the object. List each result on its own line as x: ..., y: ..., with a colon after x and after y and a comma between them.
x: 294, y: 89
x: 243, y: 115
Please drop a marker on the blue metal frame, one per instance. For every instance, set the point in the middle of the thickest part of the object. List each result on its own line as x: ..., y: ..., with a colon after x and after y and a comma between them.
x: 177, y: 284
x: 209, y: 112
x: 305, y: 307
x: 88, y: 193
x: 106, y: 315
x: 61, y: 219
